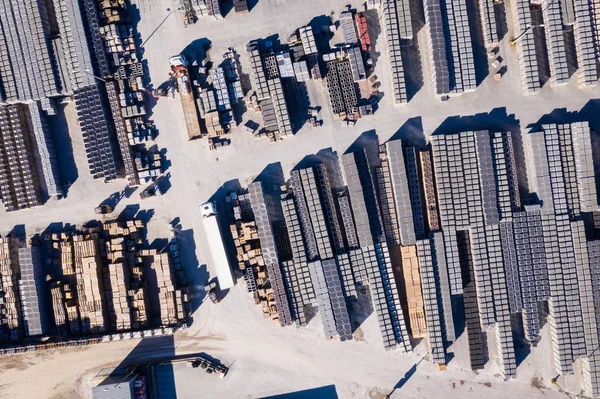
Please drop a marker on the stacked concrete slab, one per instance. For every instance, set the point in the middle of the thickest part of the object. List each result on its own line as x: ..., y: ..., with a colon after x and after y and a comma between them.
x: 525, y: 43
x: 586, y: 44
x: 397, y: 26
x: 348, y: 27
x: 555, y: 42
x: 559, y: 155
x: 488, y: 22
x: 32, y: 291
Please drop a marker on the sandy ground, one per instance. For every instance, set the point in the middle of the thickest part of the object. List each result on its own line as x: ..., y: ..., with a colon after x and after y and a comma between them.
x: 266, y: 359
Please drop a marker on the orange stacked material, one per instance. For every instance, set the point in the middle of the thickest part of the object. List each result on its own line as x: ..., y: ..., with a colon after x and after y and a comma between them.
x: 414, y: 295
x: 363, y: 31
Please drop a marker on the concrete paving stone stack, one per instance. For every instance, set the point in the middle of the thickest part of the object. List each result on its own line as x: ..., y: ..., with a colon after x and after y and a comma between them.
x: 343, y: 202
x: 338, y: 302
x: 310, y: 239
x: 402, y: 194
x: 335, y: 91
x: 386, y: 200
x: 346, y: 77
x: 358, y: 265
x: 346, y: 275
x: 308, y: 40
x: 414, y: 291
x: 432, y: 302
x: 295, y: 298
x: 32, y: 291
x: 10, y: 306
x: 460, y: 39
x: 292, y: 96
x: 331, y: 215
x: 528, y: 65
x: 281, y: 109
x: 412, y: 171
x: 586, y: 45
x: 431, y: 206
x: 97, y: 133
x: 323, y: 299
x: 316, y: 213
x: 584, y: 166
x: 348, y: 28
x: 395, y: 32
x: 437, y: 46
x: 19, y: 187
x: 589, y: 280
x: 96, y: 44
x: 555, y: 43
x: 45, y: 155
x: 487, y: 15
x: 259, y: 80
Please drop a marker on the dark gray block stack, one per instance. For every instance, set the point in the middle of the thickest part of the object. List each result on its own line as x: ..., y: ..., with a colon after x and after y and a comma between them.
x: 217, y: 76
x: 402, y: 194
x: 488, y: 23
x: 585, y: 43
x: 396, y: 31
x: 269, y: 251
x: 359, y: 269
x: 90, y: 15
x: 97, y: 133
x: 584, y: 166
x: 259, y: 81
x: 528, y: 65
x: 555, y: 43
x: 32, y: 291
x: 24, y: 46
x: 290, y: 279
x: 343, y: 202
x: 270, y: 65
x: 125, y: 150
x: 438, y: 255
x: 438, y: 59
x: 312, y: 250
x: 338, y: 302
x: 591, y: 363
x: 329, y: 208
x: 459, y: 39
x: 412, y: 171
x: 19, y: 185
x: 335, y: 91
x: 348, y: 27
x: 346, y: 77
x: 432, y: 302
x: 323, y: 299
x: 385, y: 191
x: 508, y: 230
x: 250, y: 280
x: 281, y: 110
x: 315, y: 211
x: 45, y: 154
x: 347, y: 277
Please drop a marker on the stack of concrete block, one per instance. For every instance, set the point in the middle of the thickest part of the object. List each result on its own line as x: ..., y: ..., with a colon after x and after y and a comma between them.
x: 438, y: 59
x: 315, y: 212
x: 412, y: 171
x: 348, y: 27
x: 19, y: 187
x: 308, y: 40
x: 431, y: 206
x: 281, y: 110
x: 385, y: 189
x: 167, y: 293
x: 414, y: 291
x: 10, y: 304
x: 329, y: 207
x: 488, y: 22
x: 25, y: 46
x: 346, y: 275
x: 357, y: 64
x: 259, y: 80
x: 343, y: 202
x: 293, y: 284
x: 32, y: 291
x: 555, y: 43
x: 58, y: 306
x: 460, y: 39
x: 584, y: 166
x: 402, y: 194
x: 97, y: 133
x: 45, y: 155
x: 586, y: 44
x: 217, y: 76
x: 338, y: 302
x: 525, y: 42
x: 90, y: 293
x: 335, y: 91
x: 323, y: 299
x: 398, y: 28
x: 590, y: 301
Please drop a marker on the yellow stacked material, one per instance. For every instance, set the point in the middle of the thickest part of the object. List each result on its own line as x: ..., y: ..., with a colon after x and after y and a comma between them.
x: 161, y: 264
x: 8, y: 284
x: 88, y: 266
x: 65, y: 248
x: 414, y: 295
x: 119, y: 310
x: 58, y: 306
x: 431, y: 207
x: 72, y: 310
x: 245, y: 238
x: 137, y: 295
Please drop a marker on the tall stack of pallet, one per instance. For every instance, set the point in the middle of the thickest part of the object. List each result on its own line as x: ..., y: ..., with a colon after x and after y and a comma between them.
x: 88, y: 268
x: 10, y: 306
x: 119, y: 314
x: 414, y: 296
x: 171, y: 307
x: 58, y: 306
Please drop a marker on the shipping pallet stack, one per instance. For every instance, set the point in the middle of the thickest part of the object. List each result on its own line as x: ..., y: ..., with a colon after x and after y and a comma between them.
x: 58, y: 307
x: 414, y: 295
x: 10, y: 304
x: 555, y: 43
x: 171, y: 299
x: 398, y: 29
x: 525, y: 43
x: 19, y: 186
x: 88, y: 269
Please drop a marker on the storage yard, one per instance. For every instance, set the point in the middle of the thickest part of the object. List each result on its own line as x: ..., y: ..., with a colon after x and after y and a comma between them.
x: 399, y: 219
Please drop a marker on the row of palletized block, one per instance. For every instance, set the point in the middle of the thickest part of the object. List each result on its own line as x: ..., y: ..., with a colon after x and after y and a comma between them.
x: 584, y: 165
x: 338, y: 301
x: 459, y: 41
x: 259, y: 81
x: 555, y: 42
x: 267, y: 242
x: 294, y: 287
x: 586, y: 44
x: 323, y: 299
x: 412, y: 171
x: 97, y: 134
x: 25, y: 49
x: 32, y: 290
x: 431, y: 297
x: 357, y: 64
x: 19, y: 186
x: 310, y: 239
x: 590, y: 299
x: 335, y: 91
x: 395, y: 32
x: 438, y: 59
x: 528, y: 66
x: 431, y: 207
x: 402, y: 194
x: 95, y: 44
x: 343, y: 202
x: 298, y: 250
x: 281, y: 110
x: 308, y: 40
x: 217, y: 76
x: 315, y: 211
x: 119, y: 312
x: 346, y: 275
x: 387, y: 206
x: 324, y: 183
x: 348, y: 27
x: 88, y: 271
x: 488, y: 22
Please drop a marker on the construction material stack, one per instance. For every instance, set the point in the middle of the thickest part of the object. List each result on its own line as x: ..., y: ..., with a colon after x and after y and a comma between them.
x: 32, y: 290
x: 170, y: 298
x: 397, y: 25
x: 342, y: 71
x: 525, y: 42
x: 11, y: 328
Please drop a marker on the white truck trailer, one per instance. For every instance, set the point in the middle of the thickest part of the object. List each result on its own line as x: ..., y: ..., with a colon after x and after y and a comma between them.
x: 217, y: 246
